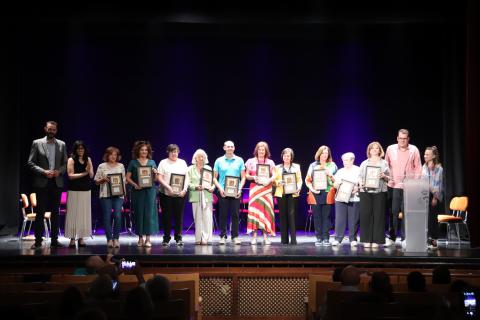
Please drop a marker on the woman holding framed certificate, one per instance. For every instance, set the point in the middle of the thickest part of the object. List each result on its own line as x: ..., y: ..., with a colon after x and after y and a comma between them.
x: 111, y: 194
x: 374, y: 176
x: 201, y: 186
x: 78, y: 223
x: 288, y: 182
x: 173, y: 178
x: 259, y: 170
x: 347, y: 200
x: 141, y: 174
x: 319, y: 181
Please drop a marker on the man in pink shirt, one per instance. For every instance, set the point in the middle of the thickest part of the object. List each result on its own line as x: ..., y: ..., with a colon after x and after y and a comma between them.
x: 404, y: 162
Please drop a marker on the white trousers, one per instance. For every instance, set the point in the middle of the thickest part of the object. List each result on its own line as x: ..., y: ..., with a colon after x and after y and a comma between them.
x: 203, y: 221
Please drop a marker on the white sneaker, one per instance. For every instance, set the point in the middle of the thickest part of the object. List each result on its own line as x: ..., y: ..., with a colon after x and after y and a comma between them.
x: 389, y: 242
x: 335, y: 243
x: 237, y: 241
x: 374, y: 245
x: 367, y: 244
x: 253, y: 241
x: 222, y: 241
x: 267, y: 241
x: 353, y: 243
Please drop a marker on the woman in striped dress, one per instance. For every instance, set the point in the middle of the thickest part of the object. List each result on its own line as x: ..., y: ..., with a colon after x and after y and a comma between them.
x: 260, y: 203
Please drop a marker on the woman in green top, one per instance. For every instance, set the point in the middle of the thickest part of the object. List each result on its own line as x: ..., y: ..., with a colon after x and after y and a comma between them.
x: 200, y: 196
x: 143, y: 199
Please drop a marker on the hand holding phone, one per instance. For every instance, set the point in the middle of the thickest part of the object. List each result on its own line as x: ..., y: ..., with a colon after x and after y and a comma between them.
x: 128, y: 265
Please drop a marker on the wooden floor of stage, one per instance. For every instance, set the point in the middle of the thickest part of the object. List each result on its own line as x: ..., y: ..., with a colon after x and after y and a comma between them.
x: 305, y: 253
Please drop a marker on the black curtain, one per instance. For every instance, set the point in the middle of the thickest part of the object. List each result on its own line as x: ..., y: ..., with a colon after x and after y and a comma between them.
x: 10, y: 133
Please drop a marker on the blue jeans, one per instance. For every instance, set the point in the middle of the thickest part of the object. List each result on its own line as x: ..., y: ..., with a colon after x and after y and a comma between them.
x: 112, y: 205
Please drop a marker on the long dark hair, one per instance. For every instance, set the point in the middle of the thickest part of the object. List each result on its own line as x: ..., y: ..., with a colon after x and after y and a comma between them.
x: 76, y: 145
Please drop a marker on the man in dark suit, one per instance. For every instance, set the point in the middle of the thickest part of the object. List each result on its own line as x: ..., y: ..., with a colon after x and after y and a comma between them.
x: 48, y: 162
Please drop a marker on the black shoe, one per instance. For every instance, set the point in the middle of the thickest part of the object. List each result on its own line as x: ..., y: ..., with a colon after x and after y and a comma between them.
x: 165, y: 243
x: 36, y: 245
x: 56, y: 244
x: 81, y: 244
x: 293, y: 243
x: 179, y: 243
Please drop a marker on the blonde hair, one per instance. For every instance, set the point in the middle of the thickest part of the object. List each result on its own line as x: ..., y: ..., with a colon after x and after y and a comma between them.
x: 197, y: 153
x: 373, y: 144
x: 320, y: 151
x: 348, y: 155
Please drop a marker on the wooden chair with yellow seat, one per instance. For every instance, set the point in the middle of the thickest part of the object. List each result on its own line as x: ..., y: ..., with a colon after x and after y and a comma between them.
x: 29, y: 217
x: 457, y: 218
x: 47, y: 215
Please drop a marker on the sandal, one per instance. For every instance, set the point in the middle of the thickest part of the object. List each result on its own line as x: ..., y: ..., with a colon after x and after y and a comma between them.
x: 140, y: 242
x: 148, y: 244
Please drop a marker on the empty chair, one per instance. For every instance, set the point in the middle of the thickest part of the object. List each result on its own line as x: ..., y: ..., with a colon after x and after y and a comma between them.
x: 33, y: 204
x: 29, y: 217
x: 457, y: 218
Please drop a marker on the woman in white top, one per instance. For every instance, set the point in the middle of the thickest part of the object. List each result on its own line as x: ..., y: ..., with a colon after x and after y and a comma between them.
x: 347, y: 210
x: 373, y: 200
x: 172, y: 200
x: 111, y: 205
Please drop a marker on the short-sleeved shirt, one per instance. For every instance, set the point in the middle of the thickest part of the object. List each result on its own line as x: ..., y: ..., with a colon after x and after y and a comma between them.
x: 228, y: 167
x: 104, y: 169
x: 166, y: 167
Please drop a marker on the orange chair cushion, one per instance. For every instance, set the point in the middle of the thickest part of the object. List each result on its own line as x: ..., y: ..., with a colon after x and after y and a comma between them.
x: 448, y: 218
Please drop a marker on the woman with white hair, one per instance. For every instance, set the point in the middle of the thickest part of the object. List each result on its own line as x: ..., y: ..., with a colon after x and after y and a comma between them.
x: 201, y: 197
x: 347, y: 211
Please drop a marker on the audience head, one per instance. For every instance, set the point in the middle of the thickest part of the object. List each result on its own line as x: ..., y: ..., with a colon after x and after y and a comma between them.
x: 94, y: 264
x: 138, y: 304
x: 380, y: 285
x: 337, y: 274
x: 416, y: 282
x: 441, y: 275
x: 159, y: 288
x: 101, y: 288
x: 350, y: 276
x: 91, y: 314
x: 459, y: 286
x: 71, y: 302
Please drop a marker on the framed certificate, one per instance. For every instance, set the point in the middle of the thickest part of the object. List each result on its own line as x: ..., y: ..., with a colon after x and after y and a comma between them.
x: 145, y: 178
x: 116, y: 185
x: 344, y: 191
x: 319, y: 179
x: 206, y: 180
x: 263, y: 173
x: 289, y: 183
x: 231, y: 186
x: 372, y: 177
x: 177, y: 182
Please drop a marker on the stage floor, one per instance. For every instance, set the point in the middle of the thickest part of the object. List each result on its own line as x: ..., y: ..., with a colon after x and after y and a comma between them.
x: 13, y: 251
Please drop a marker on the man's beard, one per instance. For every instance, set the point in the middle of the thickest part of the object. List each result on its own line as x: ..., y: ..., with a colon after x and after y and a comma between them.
x: 50, y: 135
